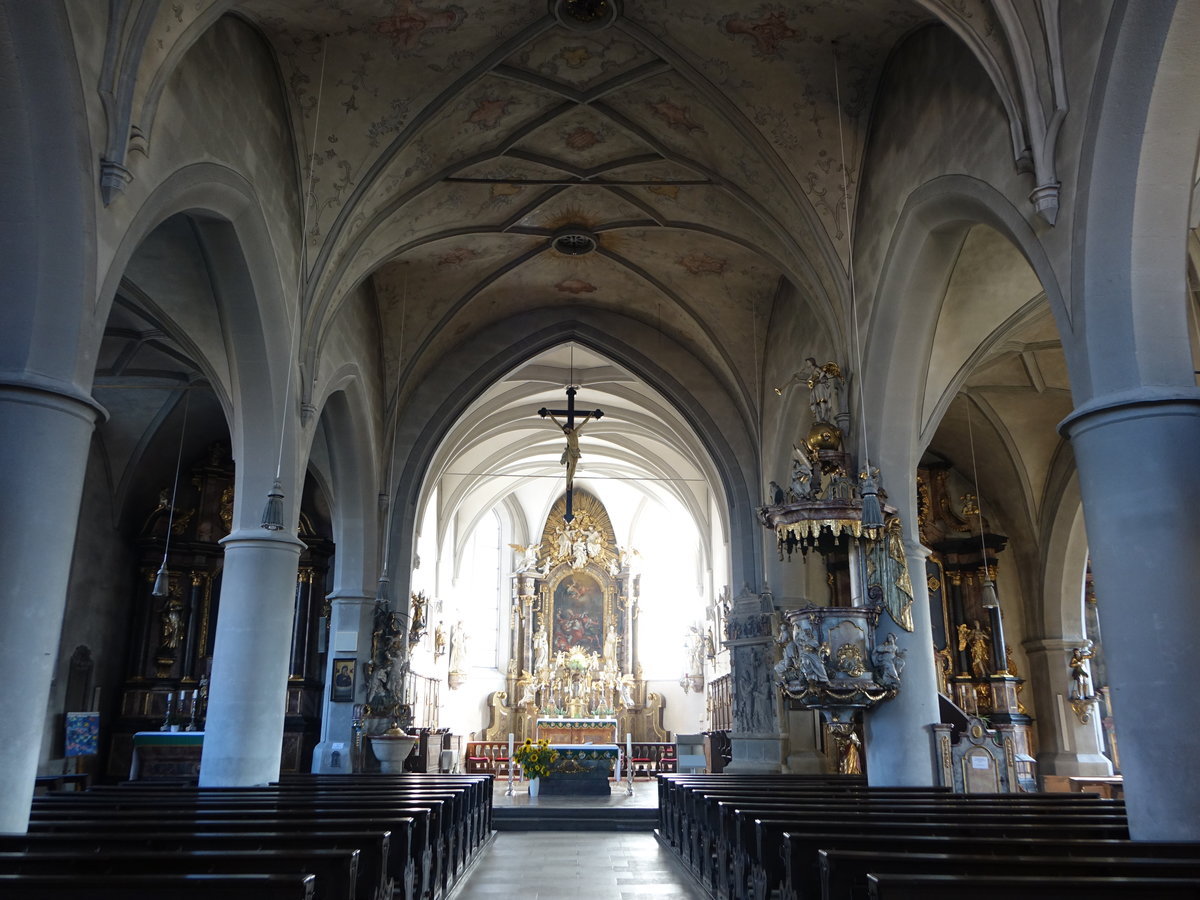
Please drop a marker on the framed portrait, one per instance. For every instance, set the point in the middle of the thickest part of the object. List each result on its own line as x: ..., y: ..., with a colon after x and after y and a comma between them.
x: 341, y: 689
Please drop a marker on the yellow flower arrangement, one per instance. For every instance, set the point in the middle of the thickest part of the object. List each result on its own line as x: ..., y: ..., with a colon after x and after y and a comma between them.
x: 535, y: 759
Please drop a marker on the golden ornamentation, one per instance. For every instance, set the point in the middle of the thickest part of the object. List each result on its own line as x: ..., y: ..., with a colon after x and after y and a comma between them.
x: 824, y: 436
x: 983, y: 696
x: 225, y: 508
x: 979, y: 642
x: 850, y: 660
x: 933, y: 584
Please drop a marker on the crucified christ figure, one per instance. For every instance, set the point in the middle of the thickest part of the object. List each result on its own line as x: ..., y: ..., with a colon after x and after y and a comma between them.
x: 570, y: 455
x: 570, y: 429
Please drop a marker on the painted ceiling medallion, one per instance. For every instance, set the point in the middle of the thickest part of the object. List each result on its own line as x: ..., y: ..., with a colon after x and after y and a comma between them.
x: 574, y: 241
x: 585, y: 15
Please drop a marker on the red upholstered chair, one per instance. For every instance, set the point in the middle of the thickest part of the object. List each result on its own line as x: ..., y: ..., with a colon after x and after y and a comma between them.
x: 667, y: 762
x: 642, y: 764
x: 479, y: 765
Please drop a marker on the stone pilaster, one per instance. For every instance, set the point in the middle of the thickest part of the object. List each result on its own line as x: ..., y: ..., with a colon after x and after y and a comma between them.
x: 756, y: 737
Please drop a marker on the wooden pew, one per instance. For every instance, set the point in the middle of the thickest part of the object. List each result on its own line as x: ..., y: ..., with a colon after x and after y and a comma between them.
x: 156, y: 887
x: 373, y: 847
x: 737, y: 842
x: 404, y: 867
x: 335, y: 871
x: 1006, y: 887
x: 760, y: 871
x: 844, y: 872
x: 801, y: 860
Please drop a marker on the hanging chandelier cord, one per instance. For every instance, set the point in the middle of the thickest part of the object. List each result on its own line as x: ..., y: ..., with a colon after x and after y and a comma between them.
x: 391, y: 462
x: 862, y: 401
x: 978, y: 497
x: 292, y: 344
x: 160, y: 583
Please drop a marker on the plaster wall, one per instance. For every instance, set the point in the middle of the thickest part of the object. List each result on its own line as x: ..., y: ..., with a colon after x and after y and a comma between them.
x: 223, y: 105
x: 98, y: 611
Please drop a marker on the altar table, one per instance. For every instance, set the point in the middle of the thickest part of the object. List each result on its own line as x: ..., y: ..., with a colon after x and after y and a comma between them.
x: 577, y: 731
x: 166, y: 755
x: 581, y: 769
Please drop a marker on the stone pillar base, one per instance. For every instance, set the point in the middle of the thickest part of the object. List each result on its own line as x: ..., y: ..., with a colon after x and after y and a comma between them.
x: 756, y: 754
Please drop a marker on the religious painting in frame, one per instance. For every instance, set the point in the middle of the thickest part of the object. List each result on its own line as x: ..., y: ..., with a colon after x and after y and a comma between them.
x: 341, y: 689
x: 578, y: 613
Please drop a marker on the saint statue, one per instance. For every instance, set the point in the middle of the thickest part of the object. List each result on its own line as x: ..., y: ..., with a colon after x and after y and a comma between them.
x: 825, y: 382
x: 888, y: 659
x: 439, y: 641
x: 172, y: 623
x: 541, y: 650
x: 610, y: 643
x: 979, y: 643
x: 458, y: 649
x: 1081, y: 680
x: 802, y: 477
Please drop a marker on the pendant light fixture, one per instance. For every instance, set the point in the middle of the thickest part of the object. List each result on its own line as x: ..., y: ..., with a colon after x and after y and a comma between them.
x: 872, y: 510
x: 988, y: 590
x: 272, y: 517
x: 162, y: 581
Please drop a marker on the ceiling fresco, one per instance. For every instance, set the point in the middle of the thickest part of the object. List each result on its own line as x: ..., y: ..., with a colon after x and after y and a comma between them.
x: 446, y: 142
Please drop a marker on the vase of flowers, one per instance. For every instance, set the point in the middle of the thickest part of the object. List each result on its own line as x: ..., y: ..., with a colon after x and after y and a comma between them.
x: 535, y: 760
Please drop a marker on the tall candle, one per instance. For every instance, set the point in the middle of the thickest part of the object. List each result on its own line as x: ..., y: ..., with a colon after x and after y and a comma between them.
x: 510, y: 751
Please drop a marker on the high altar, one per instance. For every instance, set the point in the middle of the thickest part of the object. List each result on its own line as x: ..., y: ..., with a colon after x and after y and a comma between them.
x: 573, y: 624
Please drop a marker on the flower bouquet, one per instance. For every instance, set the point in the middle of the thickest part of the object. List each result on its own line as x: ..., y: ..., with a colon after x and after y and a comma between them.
x: 535, y: 758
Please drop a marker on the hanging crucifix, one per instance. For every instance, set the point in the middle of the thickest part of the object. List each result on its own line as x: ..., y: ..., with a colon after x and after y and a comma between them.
x: 571, y: 454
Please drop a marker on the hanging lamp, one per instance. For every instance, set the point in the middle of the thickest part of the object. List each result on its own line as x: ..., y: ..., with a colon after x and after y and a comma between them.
x: 988, y: 589
x: 162, y: 582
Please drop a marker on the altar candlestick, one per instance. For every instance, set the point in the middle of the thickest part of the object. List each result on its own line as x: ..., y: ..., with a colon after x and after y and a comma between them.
x: 509, y: 792
x: 629, y: 761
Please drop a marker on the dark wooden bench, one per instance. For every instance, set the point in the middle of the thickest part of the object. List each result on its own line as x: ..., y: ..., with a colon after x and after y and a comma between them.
x: 335, y: 871
x: 157, y: 887
x: 1001, y: 887
x: 760, y: 870
x: 373, y: 847
x: 404, y: 864
x: 460, y: 827
x: 748, y: 837
x: 844, y: 872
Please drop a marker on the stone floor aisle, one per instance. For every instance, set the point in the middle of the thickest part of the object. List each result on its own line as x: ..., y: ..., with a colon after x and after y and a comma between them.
x: 575, y: 865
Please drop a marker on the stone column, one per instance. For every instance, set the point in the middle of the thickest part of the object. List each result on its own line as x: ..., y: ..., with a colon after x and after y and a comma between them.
x: 897, y: 732
x: 244, y: 730
x: 1136, y: 456
x: 756, y: 737
x: 44, y: 439
x: 351, y: 618
x: 1066, y: 745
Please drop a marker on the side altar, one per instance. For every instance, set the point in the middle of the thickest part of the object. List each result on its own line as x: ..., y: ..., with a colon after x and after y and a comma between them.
x: 573, y: 628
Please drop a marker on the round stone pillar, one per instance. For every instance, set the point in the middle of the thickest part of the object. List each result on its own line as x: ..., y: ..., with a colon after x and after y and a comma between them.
x: 898, y: 737
x: 1138, y: 478
x: 351, y: 617
x: 1066, y: 746
x: 243, y: 733
x: 44, y: 441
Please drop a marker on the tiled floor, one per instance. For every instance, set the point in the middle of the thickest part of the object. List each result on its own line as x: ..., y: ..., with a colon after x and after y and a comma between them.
x: 575, y: 865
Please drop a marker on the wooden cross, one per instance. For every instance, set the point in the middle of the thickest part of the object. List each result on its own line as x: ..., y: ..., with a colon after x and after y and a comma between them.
x: 570, y: 456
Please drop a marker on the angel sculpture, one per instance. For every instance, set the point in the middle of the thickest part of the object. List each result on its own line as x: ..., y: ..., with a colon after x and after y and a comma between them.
x: 529, y: 557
